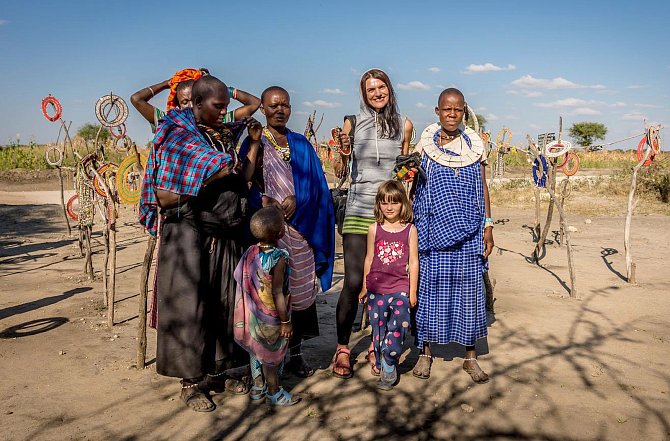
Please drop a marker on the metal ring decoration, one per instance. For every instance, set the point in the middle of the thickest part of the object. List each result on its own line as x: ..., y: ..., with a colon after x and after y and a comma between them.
x: 54, y: 162
x: 54, y: 102
x: 555, y: 149
x: 120, y: 133
x: 640, y: 152
x: 500, y: 139
x: 565, y: 188
x: 564, y: 161
x: 129, y: 181
x: 122, y: 145
x: 472, y: 116
x: 70, y: 208
x: 653, y: 140
x: 106, y: 168
x: 540, y: 180
x: 108, y: 104
x: 86, y: 161
x: 571, y: 164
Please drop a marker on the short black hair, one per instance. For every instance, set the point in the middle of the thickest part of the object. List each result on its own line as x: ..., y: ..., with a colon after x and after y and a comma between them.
x: 274, y: 89
x: 267, y: 224
x: 450, y: 91
x: 206, y: 86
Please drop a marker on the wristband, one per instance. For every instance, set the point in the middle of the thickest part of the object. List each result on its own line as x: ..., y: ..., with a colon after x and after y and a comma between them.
x: 286, y: 322
x: 152, y: 91
x: 231, y: 92
x: 488, y: 222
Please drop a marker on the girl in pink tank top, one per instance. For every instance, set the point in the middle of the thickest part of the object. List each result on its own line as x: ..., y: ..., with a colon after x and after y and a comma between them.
x: 390, y: 279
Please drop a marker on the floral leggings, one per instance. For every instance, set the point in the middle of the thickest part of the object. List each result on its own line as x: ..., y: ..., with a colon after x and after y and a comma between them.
x: 389, y: 317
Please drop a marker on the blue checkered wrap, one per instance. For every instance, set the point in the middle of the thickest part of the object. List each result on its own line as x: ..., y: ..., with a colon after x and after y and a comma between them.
x: 449, y: 217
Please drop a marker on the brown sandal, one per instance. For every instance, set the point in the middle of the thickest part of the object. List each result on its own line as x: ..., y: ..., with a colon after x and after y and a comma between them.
x: 195, y: 399
x: 218, y: 383
x: 344, y: 366
x: 476, y: 373
x: 423, y: 366
x: 372, y: 359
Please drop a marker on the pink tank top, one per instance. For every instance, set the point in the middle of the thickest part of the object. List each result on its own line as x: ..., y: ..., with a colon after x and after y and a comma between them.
x: 389, y: 270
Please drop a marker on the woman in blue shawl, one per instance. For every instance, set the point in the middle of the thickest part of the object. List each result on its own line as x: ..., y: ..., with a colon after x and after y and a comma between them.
x: 288, y: 175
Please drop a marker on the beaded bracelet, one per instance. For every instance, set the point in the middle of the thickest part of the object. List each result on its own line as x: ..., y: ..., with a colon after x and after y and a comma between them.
x: 286, y: 322
x: 232, y: 92
x: 488, y: 222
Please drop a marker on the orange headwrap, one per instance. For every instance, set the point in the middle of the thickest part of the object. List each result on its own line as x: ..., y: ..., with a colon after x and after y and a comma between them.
x: 179, y: 77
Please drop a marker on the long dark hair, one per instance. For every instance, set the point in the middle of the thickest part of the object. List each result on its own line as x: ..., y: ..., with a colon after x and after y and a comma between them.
x: 389, y: 116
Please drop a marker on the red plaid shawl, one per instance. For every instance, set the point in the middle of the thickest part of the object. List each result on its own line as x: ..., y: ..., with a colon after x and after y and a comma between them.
x: 180, y: 161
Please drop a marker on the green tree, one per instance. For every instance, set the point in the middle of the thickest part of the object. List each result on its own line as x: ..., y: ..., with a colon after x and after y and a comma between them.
x: 88, y: 132
x: 586, y: 132
x: 480, y: 119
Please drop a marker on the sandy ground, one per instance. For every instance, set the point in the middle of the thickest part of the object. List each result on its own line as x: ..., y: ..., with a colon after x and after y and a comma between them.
x: 561, y: 369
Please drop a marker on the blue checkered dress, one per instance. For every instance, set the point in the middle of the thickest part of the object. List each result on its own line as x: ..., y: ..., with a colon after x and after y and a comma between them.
x: 449, y: 216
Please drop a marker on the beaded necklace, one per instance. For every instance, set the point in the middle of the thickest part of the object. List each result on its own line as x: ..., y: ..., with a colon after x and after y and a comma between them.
x: 284, y: 151
x: 462, y: 151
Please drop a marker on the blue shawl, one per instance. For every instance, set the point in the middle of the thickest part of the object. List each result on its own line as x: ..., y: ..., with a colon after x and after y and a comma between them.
x: 314, y: 216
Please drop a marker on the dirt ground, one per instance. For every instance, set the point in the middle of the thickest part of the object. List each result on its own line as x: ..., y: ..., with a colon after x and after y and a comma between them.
x: 595, y: 368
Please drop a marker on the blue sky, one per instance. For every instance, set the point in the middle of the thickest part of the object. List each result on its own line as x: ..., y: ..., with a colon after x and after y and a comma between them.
x: 521, y: 64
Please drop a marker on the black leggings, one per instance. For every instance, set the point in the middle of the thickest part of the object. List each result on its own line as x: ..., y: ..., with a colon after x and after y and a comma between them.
x: 354, y: 247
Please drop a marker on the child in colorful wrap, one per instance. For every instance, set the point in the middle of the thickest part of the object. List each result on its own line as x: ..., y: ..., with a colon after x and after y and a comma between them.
x: 262, y: 316
x: 390, y: 278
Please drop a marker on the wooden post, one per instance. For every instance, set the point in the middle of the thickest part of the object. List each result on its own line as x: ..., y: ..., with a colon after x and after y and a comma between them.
x: 632, y: 202
x: 110, y: 248
x: 144, y: 290
x: 568, y: 245
x: 105, y: 288
x: 62, y: 202
x: 550, y: 212
x: 536, y: 227
x: 88, y: 263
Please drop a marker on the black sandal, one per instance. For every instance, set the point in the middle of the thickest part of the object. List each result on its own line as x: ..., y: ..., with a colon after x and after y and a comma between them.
x: 298, y: 366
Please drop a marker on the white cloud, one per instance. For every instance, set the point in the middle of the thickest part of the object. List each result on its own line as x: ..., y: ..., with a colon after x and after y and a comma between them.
x: 635, y: 86
x: 486, y: 67
x: 526, y: 93
x: 567, y: 102
x: 513, y: 117
x: 534, y: 126
x: 354, y: 71
x: 3, y: 21
x: 434, y: 69
x: 491, y: 117
x: 482, y: 109
x: 421, y: 105
x: 300, y: 112
x: 618, y: 104
x: 336, y: 91
x: 321, y: 103
x: 633, y: 116
x: 413, y: 85
x: 530, y: 82
x: 648, y: 106
x: 585, y: 111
